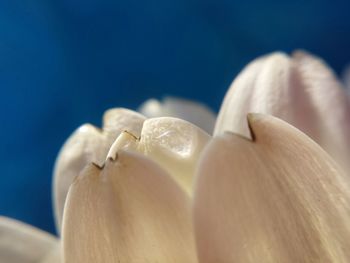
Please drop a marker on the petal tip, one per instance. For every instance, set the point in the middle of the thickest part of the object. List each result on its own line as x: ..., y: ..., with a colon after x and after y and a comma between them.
x: 253, y: 123
x: 96, y: 166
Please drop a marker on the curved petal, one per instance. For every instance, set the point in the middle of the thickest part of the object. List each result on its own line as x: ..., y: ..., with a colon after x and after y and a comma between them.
x: 191, y: 111
x: 301, y: 90
x: 240, y: 99
x: 331, y: 103
x: 128, y: 211
x: 21, y: 243
x: 89, y: 144
x: 119, y: 119
x: 174, y: 144
x: 279, y: 198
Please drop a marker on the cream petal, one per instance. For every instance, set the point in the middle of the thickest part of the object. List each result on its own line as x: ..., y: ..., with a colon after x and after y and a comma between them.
x: 119, y: 119
x: 128, y: 211
x: 279, y: 198
x: 301, y: 90
x: 172, y: 143
x: 191, y: 111
x: 89, y: 144
x: 21, y: 243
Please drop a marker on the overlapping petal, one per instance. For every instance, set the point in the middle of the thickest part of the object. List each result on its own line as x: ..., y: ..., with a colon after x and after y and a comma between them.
x: 299, y: 89
x: 131, y: 210
x: 174, y: 144
x: 278, y: 198
x: 265, y: 193
x: 89, y: 144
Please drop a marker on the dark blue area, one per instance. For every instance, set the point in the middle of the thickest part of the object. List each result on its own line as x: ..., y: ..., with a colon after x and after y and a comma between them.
x: 62, y: 63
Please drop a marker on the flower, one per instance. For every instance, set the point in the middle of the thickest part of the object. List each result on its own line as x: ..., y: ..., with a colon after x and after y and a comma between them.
x: 161, y: 189
x: 299, y: 89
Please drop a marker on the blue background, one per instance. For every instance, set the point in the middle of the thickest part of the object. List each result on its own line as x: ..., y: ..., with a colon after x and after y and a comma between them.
x: 62, y: 63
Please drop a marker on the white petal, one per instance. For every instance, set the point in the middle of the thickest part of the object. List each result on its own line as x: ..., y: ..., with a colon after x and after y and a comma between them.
x: 130, y: 211
x: 331, y: 104
x: 301, y: 90
x: 279, y: 198
x: 194, y: 112
x: 89, y: 144
x: 239, y: 98
x: 21, y: 243
x: 172, y: 143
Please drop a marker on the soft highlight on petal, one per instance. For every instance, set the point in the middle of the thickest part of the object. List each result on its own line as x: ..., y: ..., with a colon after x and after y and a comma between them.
x: 128, y: 211
x: 89, y: 144
x: 191, y: 111
x: 174, y: 144
x: 21, y: 243
x: 278, y: 198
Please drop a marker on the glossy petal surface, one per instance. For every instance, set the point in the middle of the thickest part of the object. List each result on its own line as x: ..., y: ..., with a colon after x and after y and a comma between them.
x: 172, y: 143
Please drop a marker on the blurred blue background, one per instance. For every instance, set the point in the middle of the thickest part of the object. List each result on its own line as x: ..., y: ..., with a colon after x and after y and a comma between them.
x: 62, y: 63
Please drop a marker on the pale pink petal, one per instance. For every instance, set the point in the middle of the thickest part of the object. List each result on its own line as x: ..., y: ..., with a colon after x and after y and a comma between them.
x: 301, y: 90
x: 278, y: 198
x: 241, y: 99
x: 331, y: 104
